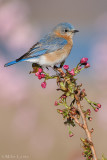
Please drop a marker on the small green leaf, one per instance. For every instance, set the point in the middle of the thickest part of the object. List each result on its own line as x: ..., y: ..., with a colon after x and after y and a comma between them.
x: 72, y: 95
x: 62, y: 86
x: 68, y: 94
x: 83, y: 140
x: 103, y: 158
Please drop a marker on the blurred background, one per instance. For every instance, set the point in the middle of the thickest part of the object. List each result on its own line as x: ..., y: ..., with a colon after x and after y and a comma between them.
x: 30, y: 127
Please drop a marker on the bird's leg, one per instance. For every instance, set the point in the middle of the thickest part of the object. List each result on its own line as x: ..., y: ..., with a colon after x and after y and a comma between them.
x: 58, y: 71
x: 55, y: 69
x: 61, y: 65
x: 47, y: 68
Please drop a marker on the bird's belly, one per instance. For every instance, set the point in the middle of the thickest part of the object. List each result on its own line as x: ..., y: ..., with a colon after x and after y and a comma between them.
x: 53, y: 58
x: 49, y: 59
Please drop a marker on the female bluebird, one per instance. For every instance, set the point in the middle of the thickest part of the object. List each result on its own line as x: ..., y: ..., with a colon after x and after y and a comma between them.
x: 52, y: 49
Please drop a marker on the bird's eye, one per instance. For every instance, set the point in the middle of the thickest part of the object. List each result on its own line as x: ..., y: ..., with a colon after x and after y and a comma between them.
x: 66, y: 30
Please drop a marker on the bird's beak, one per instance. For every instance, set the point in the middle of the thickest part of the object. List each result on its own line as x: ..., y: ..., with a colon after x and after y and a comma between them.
x: 74, y: 31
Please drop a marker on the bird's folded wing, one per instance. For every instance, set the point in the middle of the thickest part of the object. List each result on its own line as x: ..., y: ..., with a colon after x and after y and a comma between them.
x: 46, y: 45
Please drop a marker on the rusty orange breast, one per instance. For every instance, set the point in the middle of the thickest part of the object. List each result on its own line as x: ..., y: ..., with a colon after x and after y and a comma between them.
x: 67, y: 37
x: 63, y: 53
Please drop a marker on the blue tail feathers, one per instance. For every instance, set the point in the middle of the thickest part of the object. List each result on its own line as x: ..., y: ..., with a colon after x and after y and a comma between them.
x: 10, y: 63
x: 15, y: 61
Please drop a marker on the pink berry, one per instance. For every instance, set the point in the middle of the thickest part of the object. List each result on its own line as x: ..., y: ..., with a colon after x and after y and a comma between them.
x: 40, y: 70
x: 60, y: 111
x: 83, y: 90
x: 37, y: 73
x: 71, y: 134
x: 99, y: 105
x: 89, y: 110
x: 83, y: 153
x: 43, y: 84
x: 56, y: 103
x: 87, y: 65
x: 39, y: 76
x: 96, y: 109
x: 90, y: 118
x: 72, y: 72
x: 83, y: 60
x: 43, y: 75
x: 66, y: 67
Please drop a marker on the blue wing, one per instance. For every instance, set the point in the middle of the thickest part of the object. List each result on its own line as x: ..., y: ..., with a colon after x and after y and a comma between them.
x: 52, y: 43
x: 49, y: 43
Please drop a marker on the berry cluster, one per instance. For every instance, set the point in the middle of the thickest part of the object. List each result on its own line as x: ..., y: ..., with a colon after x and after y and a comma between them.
x: 41, y: 75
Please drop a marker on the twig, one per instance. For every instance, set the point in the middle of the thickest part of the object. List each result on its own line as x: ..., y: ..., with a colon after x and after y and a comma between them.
x: 85, y: 127
x: 76, y: 120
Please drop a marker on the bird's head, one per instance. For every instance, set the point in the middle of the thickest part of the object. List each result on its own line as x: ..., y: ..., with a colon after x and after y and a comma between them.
x: 65, y: 30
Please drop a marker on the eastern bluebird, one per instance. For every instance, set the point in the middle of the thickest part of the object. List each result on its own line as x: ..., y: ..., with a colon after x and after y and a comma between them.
x: 52, y: 49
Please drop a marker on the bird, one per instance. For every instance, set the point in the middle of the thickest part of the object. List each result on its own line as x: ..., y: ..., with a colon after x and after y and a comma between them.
x: 52, y: 49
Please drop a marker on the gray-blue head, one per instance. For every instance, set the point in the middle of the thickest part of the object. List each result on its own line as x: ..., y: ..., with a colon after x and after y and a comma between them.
x: 65, y: 29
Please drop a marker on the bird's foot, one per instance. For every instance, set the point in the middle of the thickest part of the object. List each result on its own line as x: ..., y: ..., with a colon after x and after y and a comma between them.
x: 59, y: 71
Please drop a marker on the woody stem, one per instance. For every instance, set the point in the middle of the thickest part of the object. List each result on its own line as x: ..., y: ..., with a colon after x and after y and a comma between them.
x: 85, y: 127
